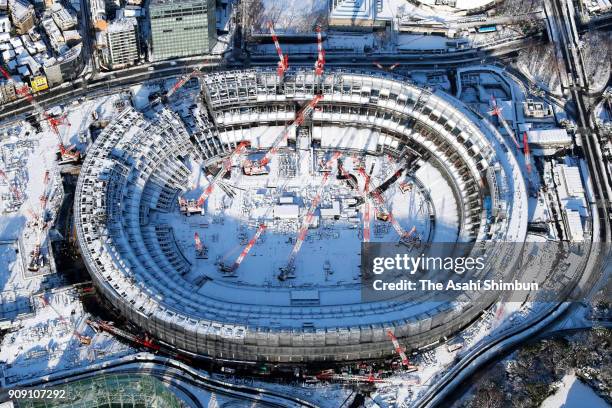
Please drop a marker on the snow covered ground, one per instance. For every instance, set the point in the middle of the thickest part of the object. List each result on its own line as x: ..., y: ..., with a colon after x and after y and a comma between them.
x: 41, y: 339
x: 333, y: 242
x: 572, y: 393
x: 49, y: 339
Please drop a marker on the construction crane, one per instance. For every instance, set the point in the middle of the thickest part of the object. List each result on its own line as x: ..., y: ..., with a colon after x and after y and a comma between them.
x: 67, y: 155
x: 496, y: 110
x: 200, y: 249
x: 225, y: 168
x: 145, y: 341
x: 40, y: 225
x: 320, y: 63
x: 178, y: 85
x: 527, y: 152
x: 385, y: 214
x: 288, y: 270
x: 258, y: 167
x: 400, y: 351
x: 366, y: 210
x: 17, y: 196
x: 283, y: 60
x: 83, y: 339
x: 232, y: 269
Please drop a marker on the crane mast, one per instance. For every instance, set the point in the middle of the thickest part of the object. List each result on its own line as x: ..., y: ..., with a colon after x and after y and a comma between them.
x: 225, y: 168
x: 283, y: 60
x: 67, y: 155
x: 232, y: 269
x: 288, y: 270
x: 251, y: 168
x: 496, y: 110
x: 320, y: 63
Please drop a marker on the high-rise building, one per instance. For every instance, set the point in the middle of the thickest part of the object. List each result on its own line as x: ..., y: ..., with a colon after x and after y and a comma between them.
x: 122, y: 47
x: 181, y: 28
x: 23, y: 15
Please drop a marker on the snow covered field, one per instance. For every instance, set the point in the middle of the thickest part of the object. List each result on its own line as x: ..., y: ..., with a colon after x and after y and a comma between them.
x: 280, y: 202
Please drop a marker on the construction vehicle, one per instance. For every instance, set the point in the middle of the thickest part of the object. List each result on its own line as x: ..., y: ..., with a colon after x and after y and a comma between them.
x: 288, y: 271
x: 283, y: 59
x: 400, y: 351
x: 231, y: 269
x: 189, y: 207
x: 200, y: 249
x: 65, y: 154
x: 85, y: 340
x: 258, y: 167
x: 496, y: 110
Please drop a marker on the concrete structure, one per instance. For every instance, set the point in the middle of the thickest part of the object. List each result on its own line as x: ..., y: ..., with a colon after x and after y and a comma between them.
x: 63, y: 18
x: 7, y: 91
x: 135, y: 171
x: 23, y: 15
x: 181, y: 28
x: 544, y: 142
x: 66, y: 67
x: 357, y: 14
x: 122, y: 44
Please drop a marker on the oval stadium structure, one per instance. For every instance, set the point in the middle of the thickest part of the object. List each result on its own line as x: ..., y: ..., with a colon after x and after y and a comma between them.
x: 164, y: 264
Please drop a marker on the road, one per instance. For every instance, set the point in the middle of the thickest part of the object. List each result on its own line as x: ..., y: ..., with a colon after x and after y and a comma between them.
x: 560, y: 18
x: 107, y: 83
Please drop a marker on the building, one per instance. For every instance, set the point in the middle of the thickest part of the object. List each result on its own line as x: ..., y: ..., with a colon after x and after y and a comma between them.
x: 63, y: 19
x: 5, y: 24
x: 181, y: 28
x: 545, y: 142
x: 537, y: 110
x: 7, y: 91
x: 122, y: 45
x: 23, y: 15
x: 66, y: 67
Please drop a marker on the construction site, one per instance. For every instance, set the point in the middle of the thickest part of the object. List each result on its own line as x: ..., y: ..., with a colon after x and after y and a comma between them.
x: 232, y: 227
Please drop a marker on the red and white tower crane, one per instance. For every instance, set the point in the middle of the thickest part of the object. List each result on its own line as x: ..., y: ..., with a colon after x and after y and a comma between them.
x: 527, y: 152
x: 232, y: 269
x: 399, y: 349
x: 320, y: 63
x: 257, y: 167
x: 68, y: 154
x: 283, y: 60
x: 287, y: 271
x: 496, y: 110
x: 40, y: 226
x: 225, y: 168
